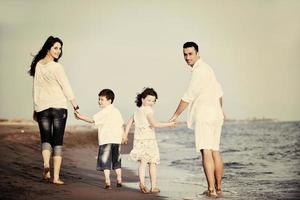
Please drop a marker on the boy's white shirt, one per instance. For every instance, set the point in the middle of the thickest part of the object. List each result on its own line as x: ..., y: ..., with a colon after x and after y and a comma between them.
x: 110, y: 125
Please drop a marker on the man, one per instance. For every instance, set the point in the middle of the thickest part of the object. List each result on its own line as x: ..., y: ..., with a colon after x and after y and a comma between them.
x: 205, y: 115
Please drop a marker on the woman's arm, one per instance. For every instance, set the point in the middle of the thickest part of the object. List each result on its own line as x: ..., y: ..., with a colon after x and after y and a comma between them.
x: 156, y: 124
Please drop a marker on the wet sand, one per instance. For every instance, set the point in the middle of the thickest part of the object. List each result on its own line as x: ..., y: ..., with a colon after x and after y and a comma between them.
x: 21, y: 167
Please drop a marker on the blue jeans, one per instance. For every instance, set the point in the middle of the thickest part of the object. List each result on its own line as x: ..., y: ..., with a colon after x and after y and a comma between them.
x: 52, y: 123
x: 109, y: 157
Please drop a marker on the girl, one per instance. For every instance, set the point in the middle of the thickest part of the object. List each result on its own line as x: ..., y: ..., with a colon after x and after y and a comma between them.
x: 145, y: 149
x: 51, y: 91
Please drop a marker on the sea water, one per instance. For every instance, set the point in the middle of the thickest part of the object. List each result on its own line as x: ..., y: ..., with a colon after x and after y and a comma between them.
x: 261, y: 161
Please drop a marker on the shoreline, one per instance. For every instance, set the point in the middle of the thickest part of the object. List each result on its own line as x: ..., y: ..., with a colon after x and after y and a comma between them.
x: 21, y: 167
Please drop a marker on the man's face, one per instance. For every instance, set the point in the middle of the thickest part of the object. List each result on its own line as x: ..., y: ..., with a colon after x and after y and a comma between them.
x: 190, y: 55
x: 103, y: 102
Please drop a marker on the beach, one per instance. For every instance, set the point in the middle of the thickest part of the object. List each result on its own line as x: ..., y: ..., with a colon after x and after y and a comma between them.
x: 261, y: 160
x: 21, y: 167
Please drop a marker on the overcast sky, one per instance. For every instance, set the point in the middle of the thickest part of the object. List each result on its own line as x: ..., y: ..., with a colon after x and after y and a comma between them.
x: 253, y: 47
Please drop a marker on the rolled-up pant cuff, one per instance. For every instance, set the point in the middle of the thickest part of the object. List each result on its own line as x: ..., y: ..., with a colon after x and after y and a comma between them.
x: 57, y: 150
x: 46, y: 146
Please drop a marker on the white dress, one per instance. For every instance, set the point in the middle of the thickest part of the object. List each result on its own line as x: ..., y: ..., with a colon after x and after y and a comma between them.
x: 145, y: 146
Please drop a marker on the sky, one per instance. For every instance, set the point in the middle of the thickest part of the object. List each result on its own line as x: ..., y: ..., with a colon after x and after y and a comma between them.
x: 252, y: 45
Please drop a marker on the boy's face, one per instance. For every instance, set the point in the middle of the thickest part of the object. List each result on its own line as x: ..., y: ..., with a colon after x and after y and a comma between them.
x: 149, y: 100
x: 103, y: 102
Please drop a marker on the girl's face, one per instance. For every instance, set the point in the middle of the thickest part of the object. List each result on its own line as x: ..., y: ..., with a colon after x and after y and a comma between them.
x: 149, y: 100
x: 55, y: 50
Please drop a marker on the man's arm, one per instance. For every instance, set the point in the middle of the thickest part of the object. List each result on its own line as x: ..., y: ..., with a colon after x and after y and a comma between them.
x: 180, y: 108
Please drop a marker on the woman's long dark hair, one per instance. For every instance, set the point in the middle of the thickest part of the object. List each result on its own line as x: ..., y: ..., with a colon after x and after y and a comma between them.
x: 43, y: 52
x: 143, y: 95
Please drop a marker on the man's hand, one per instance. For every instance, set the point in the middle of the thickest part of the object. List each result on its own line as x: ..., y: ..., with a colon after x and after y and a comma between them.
x: 173, y: 119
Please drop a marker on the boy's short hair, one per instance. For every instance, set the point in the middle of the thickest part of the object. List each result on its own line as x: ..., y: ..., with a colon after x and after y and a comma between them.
x: 191, y: 44
x: 108, y: 93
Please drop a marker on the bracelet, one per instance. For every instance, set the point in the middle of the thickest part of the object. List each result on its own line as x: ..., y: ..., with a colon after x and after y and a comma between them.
x: 76, y: 108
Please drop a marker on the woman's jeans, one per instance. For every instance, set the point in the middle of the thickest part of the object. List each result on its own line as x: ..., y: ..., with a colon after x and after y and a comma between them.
x: 52, y: 123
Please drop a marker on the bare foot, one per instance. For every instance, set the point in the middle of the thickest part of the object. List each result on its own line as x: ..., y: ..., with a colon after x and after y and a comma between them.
x: 144, y: 189
x: 46, y: 174
x: 58, y: 182
x: 210, y: 193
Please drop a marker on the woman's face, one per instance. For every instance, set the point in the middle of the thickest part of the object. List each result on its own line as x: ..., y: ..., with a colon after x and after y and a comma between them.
x: 55, y: 50
x: 149, y: 100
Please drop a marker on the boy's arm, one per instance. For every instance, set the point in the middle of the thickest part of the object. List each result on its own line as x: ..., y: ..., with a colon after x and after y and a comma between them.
x: 156, y: 124
x: 127, y: 128
x: 84, y: 118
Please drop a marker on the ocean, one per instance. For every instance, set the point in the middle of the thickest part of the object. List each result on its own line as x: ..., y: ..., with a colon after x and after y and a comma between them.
x: 261, y: 161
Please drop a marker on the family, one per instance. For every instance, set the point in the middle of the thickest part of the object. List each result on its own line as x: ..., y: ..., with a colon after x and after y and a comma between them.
x: 203, y: 99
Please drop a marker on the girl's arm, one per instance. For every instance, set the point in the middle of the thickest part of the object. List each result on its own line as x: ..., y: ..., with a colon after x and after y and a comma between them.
x: 156, y: 124
x: 127, y: 128
x: 84, y: 118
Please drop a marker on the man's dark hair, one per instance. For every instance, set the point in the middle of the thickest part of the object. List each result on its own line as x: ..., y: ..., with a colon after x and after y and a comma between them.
x: 108, y: 93
x: 191, y: 44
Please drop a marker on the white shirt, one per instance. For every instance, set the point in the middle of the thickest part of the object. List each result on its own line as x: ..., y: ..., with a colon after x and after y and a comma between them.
x: 51, y: 87
x: 143, y: 130
x: 110, y: 125
x: 203, y: 95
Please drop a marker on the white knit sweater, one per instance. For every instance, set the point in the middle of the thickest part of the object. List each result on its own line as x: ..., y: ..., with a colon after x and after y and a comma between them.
x: 51, y: 87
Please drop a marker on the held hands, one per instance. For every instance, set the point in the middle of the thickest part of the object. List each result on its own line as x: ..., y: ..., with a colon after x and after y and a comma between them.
x: 124, y: 140
x: 77, y: 114
x: 173, y: 124
x: 173, y: 119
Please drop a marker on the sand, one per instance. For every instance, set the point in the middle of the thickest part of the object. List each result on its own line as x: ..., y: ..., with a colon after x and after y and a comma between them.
x: 21, y: 167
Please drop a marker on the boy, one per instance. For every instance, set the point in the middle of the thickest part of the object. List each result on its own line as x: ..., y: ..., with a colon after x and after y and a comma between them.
x: 110, y: 131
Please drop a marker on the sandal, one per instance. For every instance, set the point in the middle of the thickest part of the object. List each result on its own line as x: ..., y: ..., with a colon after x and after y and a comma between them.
x: 107, y: 186
x: 210, y: 193
x: 46, y: 177
x: 58, y: 182
x: 155, y: 190
x: 144, y: 189
x: 119, y: 184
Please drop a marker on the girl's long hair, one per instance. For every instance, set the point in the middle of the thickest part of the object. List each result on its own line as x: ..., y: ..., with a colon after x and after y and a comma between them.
x: 143, y: 95
x: 43, y: 52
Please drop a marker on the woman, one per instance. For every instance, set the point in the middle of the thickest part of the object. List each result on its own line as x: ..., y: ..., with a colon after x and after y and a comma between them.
x: 51, y: 92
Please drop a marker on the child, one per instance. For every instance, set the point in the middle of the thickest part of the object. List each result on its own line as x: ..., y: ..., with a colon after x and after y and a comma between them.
x: 110, y: 131
x: 145, y: 149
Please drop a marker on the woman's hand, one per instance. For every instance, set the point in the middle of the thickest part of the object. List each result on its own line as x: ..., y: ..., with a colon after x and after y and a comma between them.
x: 77, y: 114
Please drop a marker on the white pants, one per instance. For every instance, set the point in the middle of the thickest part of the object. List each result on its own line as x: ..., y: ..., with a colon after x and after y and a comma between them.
x: 207, y: 136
